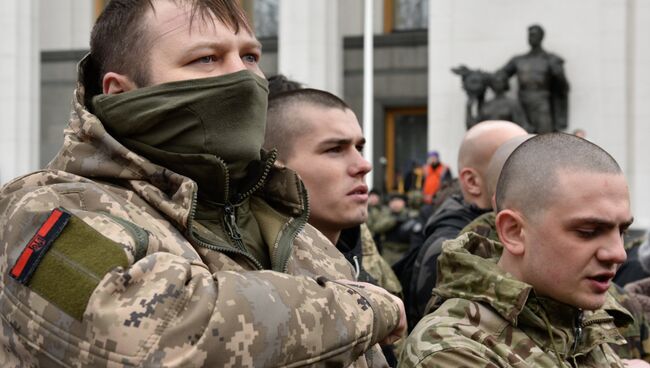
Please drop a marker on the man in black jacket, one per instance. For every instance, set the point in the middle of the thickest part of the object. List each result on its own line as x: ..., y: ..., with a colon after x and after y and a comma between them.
x: 417, y: 270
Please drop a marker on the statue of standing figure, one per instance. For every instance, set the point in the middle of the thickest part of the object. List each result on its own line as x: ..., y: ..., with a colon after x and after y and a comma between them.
x: 543, y: 88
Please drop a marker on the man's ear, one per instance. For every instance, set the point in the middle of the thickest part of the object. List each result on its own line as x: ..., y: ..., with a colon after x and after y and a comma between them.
x: 471, y: 181
x: 114, y: 83
x: 510, y: 227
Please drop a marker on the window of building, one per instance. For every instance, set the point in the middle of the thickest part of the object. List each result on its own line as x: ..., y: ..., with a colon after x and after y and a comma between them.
x: 405, y: 15
x: 265, y: 18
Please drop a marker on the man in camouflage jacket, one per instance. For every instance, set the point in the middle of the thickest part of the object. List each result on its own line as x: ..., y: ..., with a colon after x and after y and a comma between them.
x: 110, y: 259
x: 489, y: 319
x: 541, y: 299
x: 635, y: 333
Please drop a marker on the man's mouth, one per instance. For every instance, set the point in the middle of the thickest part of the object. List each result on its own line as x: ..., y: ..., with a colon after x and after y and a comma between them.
x: 601, y: 282
x: 360, y: 191
x: 602, y: 277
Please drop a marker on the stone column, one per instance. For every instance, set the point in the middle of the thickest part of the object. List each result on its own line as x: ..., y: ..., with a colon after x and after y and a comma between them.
x: 309, y: 43
x: 446, y: 127
x: 19, y: 95
x: 638, y: 119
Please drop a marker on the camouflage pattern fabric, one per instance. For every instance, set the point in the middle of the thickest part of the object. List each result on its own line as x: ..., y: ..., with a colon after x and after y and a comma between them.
x: 636, y: 333
x: 484, y: 225
x: 183, y: 302
x: 380, y: 220
x: 376, y: 265
x: 483, y: 317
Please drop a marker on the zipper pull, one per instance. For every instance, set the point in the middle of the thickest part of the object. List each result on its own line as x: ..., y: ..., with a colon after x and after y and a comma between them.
x: 577, y: 331
x: 231, y: 223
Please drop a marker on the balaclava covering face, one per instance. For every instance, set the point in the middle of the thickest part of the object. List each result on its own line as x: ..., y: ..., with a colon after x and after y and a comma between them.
x: 192, y: 127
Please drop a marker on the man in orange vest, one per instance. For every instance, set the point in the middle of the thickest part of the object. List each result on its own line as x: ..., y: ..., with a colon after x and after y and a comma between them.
x: 435, y: 173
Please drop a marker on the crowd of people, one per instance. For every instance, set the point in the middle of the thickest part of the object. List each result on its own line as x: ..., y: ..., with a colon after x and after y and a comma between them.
x: 201, y: 215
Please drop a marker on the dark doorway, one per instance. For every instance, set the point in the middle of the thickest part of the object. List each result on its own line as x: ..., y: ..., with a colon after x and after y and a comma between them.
x: 406, y: 143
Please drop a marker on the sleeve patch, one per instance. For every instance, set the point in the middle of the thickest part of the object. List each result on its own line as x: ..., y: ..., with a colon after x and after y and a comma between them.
x: 70, y: 265
x: 38, y: 245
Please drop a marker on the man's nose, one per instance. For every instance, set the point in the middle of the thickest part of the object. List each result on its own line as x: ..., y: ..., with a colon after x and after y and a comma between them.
x: 232, y: 64
x: 361, y: 165
x: 614, y: 250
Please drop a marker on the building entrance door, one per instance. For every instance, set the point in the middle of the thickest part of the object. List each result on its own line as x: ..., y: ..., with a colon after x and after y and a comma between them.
x: 406, y: 146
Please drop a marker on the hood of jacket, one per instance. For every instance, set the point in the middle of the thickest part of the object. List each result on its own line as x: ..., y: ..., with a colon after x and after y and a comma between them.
x: 468, y: 269
x: 89, y: 151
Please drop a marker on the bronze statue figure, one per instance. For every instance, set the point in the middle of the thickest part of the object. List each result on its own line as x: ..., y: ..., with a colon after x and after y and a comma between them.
x: 502, y: 107
x: 543, y: 88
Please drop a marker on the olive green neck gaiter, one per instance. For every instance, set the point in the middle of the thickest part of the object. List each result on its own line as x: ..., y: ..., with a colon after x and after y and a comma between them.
x: 206, y: 129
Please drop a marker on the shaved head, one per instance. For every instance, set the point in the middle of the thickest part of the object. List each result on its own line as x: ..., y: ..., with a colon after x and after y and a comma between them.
x: 499, y: 158
x: 478, y: 145
x: 481, y: 140
x: 285, y: 122
x: 531, y: 172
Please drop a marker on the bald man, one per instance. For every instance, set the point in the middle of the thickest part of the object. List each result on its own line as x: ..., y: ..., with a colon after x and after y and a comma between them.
x: 484, y: 225
x: 540, y: 298
x: 477, y: 147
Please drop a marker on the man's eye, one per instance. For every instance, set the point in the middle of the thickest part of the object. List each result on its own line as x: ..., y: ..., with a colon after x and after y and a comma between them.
x: 587, y: 233
x: 206, y: 59
x: 250, y: 58
x: 336, y: 149
x: 359, y: 148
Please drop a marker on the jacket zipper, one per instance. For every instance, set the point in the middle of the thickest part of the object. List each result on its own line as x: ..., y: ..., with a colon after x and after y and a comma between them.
x: 219, y: 248
x: 577, y: 331
x: 233, y: 230
x: 230, y: 220
x: 580, y: 324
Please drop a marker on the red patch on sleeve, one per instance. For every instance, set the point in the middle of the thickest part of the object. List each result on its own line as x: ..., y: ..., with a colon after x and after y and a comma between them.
x: 38, y: 245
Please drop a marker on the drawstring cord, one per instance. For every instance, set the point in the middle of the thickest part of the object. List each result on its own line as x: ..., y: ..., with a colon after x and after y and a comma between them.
x: 550, y: 336
x: 357, y: 268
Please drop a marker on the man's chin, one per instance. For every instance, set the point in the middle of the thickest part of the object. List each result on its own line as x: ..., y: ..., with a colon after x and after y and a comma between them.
x: 592, y: 302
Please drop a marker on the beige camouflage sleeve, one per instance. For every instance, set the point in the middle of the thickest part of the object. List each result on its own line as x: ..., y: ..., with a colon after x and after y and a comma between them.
x: 167, y: 310
x: 163, y: 311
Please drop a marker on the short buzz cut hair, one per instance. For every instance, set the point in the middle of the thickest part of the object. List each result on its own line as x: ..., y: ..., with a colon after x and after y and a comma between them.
x: 120, y: 41
x: 531, y: 172
x: 284, y: 123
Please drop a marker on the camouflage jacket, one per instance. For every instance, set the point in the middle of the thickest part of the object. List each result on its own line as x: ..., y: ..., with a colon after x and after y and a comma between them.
x: 486, y: 318
x: 131, y: 280
x: 636, y: 333
x: 376, y: 265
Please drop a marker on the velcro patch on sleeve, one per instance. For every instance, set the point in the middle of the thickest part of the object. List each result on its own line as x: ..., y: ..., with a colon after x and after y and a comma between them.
x: 38, y: 245
x: 73, y: 266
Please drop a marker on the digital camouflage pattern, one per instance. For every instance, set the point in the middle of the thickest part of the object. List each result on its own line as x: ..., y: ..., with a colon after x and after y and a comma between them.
x: 636, y: 333
x: 376, y: 265
x: 184, y: 302
x: 483, y: 317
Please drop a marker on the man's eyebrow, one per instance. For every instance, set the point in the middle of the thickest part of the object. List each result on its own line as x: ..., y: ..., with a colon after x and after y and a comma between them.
x: 342, y: 141
x: 335, y: 141
x: 600, y: 221
x: 219, y: 44
x: 256, y: 44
